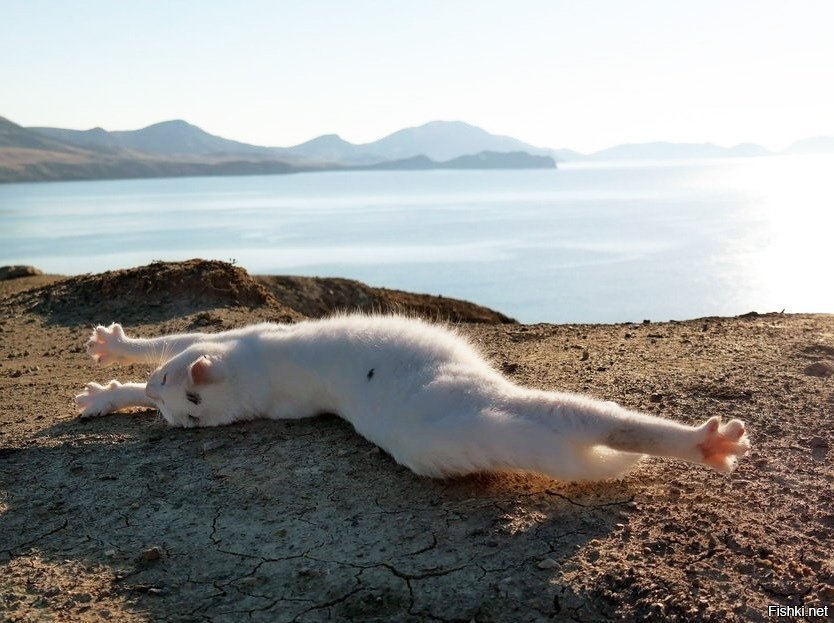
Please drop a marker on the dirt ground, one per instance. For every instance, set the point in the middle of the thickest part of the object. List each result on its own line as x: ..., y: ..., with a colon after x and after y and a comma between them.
x: 123, y: 519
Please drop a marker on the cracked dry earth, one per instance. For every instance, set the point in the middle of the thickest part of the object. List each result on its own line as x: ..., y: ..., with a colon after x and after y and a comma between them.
x: 123, y: 519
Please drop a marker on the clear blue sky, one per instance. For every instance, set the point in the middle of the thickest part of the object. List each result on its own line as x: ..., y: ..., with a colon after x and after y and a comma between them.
x: 584, y: 74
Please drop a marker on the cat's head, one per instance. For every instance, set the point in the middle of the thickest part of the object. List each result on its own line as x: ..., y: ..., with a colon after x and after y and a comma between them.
x: 194, y: 387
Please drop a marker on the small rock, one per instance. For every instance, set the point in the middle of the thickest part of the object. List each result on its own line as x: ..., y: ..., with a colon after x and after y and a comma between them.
x: 110, y: 553
x: 249, y: 581
x: 656, y: 398
x: 822, y: 369
x: 548, y: 563
x: 585, y: 355
x: 152, y: 553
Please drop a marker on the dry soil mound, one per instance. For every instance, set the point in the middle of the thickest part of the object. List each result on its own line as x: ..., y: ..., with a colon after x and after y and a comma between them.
x: 317, y: 296
x: 156, y: 291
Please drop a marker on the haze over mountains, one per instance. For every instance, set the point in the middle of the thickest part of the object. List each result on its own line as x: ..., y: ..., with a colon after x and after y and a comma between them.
x: 175, y: 148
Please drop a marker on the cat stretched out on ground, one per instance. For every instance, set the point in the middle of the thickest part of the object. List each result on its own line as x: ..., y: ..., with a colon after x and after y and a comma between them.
x: 419, y: 391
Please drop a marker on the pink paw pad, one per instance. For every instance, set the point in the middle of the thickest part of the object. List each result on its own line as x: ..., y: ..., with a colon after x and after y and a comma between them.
x: 722, y: 446
x: 104, y: 342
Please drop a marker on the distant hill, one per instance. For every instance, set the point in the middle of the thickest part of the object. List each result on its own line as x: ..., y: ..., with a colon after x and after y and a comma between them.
x: 178, y: 148
x: 15, y: 136
x: 443, y: 140
x: 676, y: 151
x: 168, y: 138
x: 815, y: 145
x: 330, y: 148
x: 28, y: 154
x: 483, y: 160
x: 439, y: 141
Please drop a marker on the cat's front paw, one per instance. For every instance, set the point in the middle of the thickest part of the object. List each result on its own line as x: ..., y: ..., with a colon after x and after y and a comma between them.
x: 105, y: 343
x: 96, y: 400
x: 723, y: 444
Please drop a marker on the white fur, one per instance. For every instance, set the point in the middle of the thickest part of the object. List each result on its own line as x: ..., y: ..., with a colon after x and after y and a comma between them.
x: 431, y: 400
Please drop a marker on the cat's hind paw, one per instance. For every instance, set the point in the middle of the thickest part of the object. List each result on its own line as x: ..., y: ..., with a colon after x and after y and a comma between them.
x: 105, y: 342
x: 723, y: 444
x: 96, y: 400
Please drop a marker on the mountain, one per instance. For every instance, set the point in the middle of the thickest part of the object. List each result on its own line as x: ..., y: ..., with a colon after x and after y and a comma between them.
x: 439, y: 141
x: 815, y: 145
x: 168, y: 138
x: 178, y: 148
x: 15, y: 136
x: 444, y: 140
x: 330, y: 148
x: 482, y: 160
x: 676, y: 151
x: 28, y: 154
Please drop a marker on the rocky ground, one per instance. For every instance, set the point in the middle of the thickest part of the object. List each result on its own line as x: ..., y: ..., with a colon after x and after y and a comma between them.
x: 123, y: 519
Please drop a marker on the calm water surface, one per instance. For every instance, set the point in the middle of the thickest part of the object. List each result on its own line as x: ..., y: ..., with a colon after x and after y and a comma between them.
x: 585, y: 243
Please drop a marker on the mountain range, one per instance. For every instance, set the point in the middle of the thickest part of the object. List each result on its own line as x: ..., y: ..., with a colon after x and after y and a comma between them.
x: 176, y: 148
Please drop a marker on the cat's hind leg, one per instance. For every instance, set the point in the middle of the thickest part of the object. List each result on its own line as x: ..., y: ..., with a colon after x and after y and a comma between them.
x: 722, y: 445
x: 98, y: 400
x: 714, y: 444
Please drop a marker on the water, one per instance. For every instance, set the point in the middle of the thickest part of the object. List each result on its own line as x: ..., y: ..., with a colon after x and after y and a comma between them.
x: 585, y: 243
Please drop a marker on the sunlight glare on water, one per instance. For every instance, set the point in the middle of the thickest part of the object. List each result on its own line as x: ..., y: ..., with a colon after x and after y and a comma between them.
x: 787, y: 261
x: 589, y: 242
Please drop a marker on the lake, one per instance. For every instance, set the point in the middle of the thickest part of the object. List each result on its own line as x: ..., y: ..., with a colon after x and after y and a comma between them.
x: 589, y: 242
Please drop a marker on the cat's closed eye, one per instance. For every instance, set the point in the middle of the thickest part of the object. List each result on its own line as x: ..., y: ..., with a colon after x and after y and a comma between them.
x: 193, y: 398
x: 164, y: 378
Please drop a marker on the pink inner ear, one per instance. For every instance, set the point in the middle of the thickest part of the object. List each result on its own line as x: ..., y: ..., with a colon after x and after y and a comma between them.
x: 201, y: 371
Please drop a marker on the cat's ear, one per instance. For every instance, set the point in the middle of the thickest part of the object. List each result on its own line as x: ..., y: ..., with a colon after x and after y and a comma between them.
x: 205, y: 370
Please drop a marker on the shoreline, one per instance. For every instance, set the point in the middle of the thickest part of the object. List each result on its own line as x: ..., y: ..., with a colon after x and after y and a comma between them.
x: 352, y: 288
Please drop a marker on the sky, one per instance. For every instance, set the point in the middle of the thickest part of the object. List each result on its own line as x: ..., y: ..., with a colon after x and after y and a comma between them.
x: 579, y: 74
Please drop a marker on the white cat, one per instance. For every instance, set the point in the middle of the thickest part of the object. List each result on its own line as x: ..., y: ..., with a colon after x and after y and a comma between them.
x: 419, y: 391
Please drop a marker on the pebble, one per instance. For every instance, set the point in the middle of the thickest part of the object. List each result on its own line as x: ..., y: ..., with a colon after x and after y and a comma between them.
x: 821, y: 369
x: 152, y: 553
x: 548, y: 563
